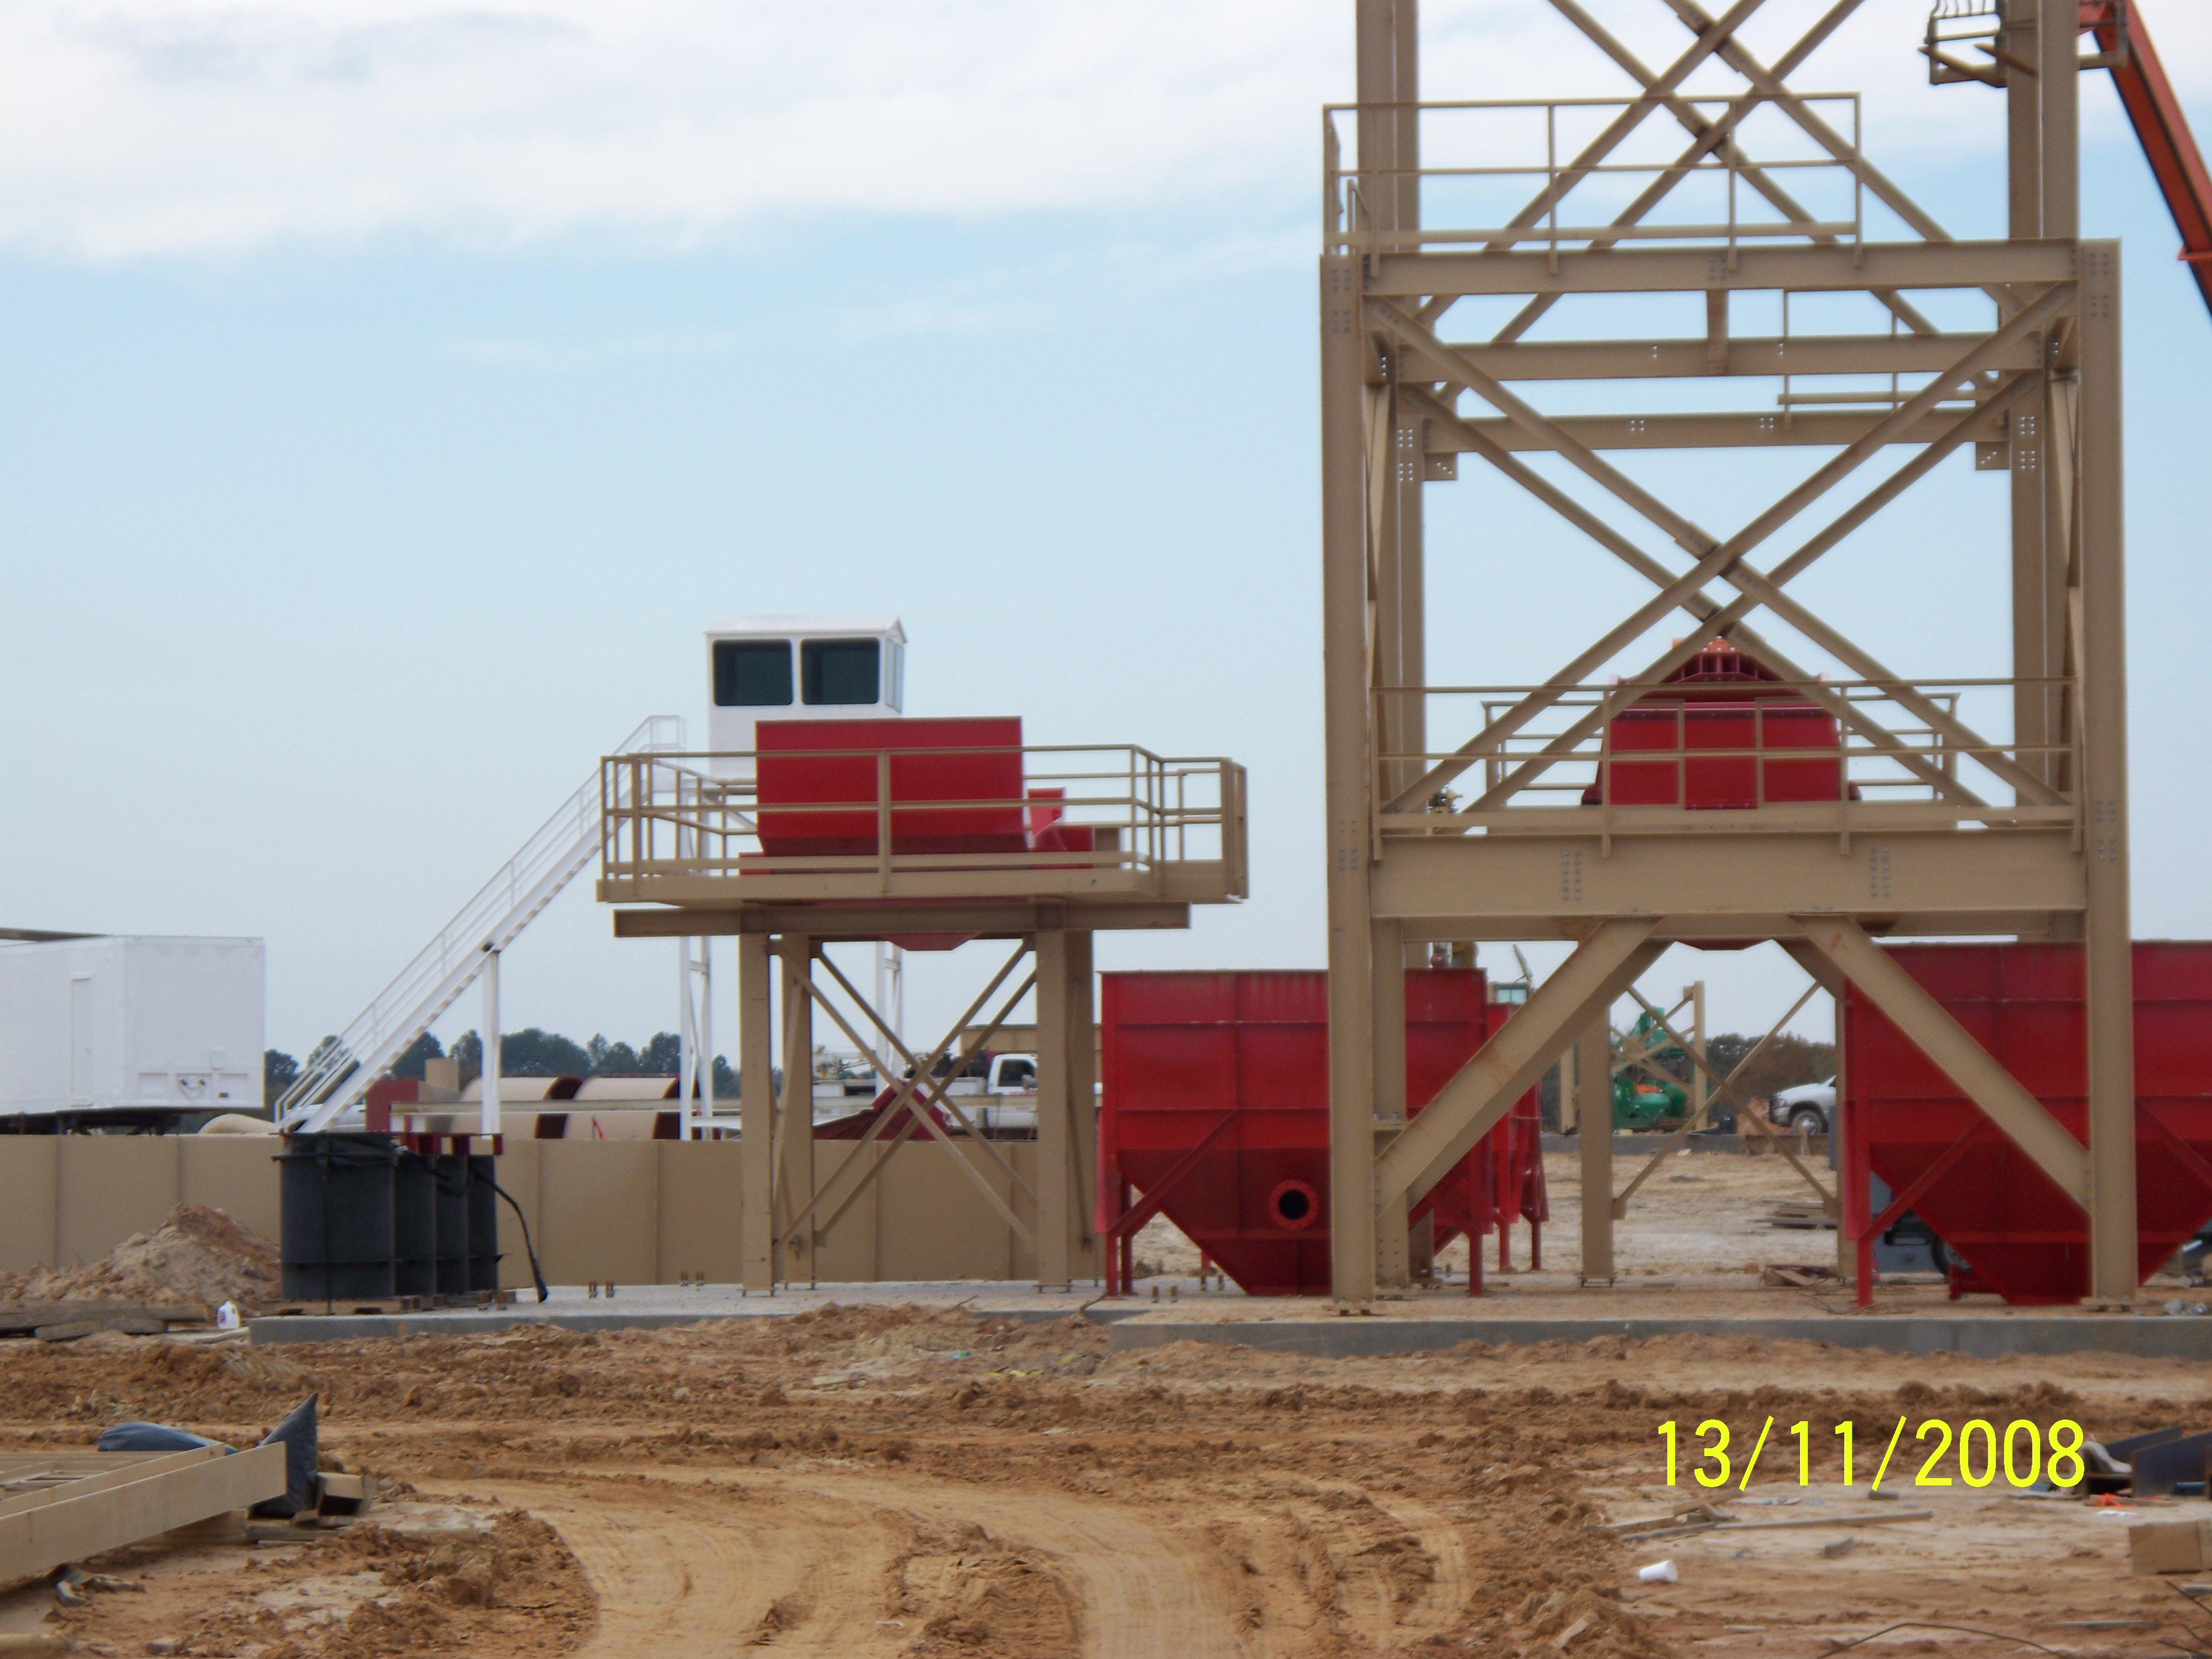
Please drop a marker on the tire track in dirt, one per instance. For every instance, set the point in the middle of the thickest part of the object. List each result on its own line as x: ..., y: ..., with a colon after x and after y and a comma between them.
x: 674, y: 1560
x: 1142, y: 1587
x: 679, y: 1562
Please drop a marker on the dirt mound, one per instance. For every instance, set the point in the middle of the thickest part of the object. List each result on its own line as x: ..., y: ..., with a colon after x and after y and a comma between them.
x: 198, y: 1257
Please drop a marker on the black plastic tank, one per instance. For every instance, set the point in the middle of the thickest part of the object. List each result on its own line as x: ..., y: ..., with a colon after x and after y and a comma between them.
x: 414, y: 1226
x: 483, y: 1224
x: 334, y: 1197
x: 452, y: 1171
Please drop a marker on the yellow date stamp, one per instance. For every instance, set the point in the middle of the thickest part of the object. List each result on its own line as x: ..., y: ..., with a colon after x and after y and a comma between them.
x: 2022, y: 1452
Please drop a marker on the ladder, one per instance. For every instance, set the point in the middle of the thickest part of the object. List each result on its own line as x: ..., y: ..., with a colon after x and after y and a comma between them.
x: 337, y: 1076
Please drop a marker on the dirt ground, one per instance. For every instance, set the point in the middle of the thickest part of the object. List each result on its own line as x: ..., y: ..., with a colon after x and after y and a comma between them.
x: 893, y: 1481
x: 889, y: 1479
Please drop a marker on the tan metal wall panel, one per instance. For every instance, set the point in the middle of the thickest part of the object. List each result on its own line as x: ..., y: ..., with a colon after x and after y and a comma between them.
x: 518, y: 1172
x: 846, y: 1251
x: 700, y: 1210
x: 1021, y: 1255
x: 235, y: 1174
x: 27, y: 1201
x: 108, y: 1188
x: 935, y: 1224
x: 600, y: 1204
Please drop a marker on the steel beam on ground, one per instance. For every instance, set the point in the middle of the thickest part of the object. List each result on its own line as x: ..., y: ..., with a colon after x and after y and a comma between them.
x: 142, y: 1499
x: 1930, y: 1027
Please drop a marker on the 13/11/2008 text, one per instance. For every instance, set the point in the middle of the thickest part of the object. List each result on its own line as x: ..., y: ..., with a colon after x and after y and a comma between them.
x: 2018, y: 1453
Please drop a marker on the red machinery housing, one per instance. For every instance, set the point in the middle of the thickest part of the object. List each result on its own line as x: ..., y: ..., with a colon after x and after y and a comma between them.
x: 1903, y: 1121
x: 1216, y: 1108
x: 1721, y: 701
x: 951, y: 785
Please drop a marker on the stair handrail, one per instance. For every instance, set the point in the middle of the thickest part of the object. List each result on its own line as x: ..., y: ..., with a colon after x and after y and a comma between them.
x: 338, y: 1073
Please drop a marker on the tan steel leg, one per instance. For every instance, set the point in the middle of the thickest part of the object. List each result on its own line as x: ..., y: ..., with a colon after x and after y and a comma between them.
x: 1593, y: 1112
x: 1083, y: 1106
x: 1349, y: 784
x: 1056, y: 1155
x: 756, y: 1111
x: 794, y: 1137
x: 1846, y: 1253
x: 1393, y: 1265
x: 2107, y: 931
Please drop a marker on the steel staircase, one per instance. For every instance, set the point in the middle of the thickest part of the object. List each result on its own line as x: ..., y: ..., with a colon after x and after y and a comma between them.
x: 337, y: 1076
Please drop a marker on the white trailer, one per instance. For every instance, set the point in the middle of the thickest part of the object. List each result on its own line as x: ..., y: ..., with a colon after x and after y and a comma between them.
x: 134, y: 1029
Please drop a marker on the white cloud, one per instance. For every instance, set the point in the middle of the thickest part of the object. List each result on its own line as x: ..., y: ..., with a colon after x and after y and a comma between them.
x: 194, y: 126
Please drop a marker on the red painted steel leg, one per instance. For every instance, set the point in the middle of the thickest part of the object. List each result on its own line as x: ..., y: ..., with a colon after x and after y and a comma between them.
x: 1535, y: 1247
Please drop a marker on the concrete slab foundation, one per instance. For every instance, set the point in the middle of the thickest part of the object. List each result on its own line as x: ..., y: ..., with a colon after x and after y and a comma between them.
x: 653, y: 1307
x: 1983, y: 1337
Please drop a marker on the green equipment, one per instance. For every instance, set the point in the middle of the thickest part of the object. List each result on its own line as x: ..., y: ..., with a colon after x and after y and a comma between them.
x: 1644, y: 1096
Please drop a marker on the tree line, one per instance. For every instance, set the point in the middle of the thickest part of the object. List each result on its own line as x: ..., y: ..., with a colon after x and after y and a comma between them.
x: 531, y: 1052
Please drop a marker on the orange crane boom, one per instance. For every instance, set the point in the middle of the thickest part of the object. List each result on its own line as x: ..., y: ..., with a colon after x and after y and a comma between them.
x: 2159, y: 125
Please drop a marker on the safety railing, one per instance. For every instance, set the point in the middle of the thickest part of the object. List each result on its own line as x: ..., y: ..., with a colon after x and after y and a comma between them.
x: 799, y: 824
x: 1809, y: 755
x: 1476, y: 156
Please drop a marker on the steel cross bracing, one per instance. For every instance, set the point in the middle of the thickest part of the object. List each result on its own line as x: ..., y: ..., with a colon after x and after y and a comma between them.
x: 1975, y: 805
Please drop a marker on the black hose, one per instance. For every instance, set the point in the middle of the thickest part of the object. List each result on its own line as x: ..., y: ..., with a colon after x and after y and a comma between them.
x: 528, y: 1250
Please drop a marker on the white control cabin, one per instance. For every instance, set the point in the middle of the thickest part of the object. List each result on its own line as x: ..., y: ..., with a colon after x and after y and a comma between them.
x: 782, y: 668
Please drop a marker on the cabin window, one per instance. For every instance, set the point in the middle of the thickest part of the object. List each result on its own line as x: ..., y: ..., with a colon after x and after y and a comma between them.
x: 752, y: 673
x: 840, y: 671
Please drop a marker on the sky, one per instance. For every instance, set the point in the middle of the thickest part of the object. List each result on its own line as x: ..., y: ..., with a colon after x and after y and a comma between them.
x: 390, y: 393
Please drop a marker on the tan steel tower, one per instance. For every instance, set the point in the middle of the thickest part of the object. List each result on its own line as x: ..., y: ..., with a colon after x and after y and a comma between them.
x: 1962, y: 806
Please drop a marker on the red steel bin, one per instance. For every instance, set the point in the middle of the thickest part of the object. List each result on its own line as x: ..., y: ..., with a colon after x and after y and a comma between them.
x: 1216, y: 1108
x: 2014, y: 1231
x: 1715, y: 701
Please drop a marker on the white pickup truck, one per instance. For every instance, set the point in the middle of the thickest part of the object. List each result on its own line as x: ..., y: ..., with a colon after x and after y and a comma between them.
x: 1807, y: 1109
x: 1007, y: 1086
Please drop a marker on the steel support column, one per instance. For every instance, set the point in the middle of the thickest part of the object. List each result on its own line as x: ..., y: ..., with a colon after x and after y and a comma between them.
x: 756, y: 1111
x: 1082, y: 1050
x: 1594, y: 1142
x: 1349, y: 784
x: 2106, y: 928
x: 1393, y: 1244
x: 794, y: 1128
x: 1055, y: 1162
